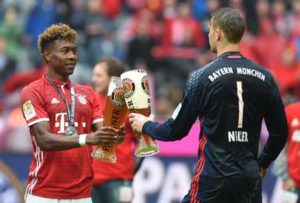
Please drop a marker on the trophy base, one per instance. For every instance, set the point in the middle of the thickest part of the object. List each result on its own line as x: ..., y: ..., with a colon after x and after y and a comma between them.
x: 104, y: 157
x: 146, y: 151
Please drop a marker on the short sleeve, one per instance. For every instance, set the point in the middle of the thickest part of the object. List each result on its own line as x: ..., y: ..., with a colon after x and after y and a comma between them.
x: 32, y: 106
x: 97, y: 109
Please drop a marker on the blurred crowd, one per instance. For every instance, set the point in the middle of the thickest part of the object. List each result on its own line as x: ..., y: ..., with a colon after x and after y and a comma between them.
x: 168, y: 38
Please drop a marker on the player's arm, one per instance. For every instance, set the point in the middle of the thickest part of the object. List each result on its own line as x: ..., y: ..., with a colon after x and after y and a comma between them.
x: 48, y: 141
x: 36, y: 116
x: 183, y: 118
x: 276, y: 123
x: 173, y: 128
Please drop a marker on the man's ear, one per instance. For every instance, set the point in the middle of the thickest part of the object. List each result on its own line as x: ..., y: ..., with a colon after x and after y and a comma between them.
x: 46, y: 55
x: 218, y: 35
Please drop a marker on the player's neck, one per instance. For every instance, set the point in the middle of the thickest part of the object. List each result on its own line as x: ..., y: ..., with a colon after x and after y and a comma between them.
x: 228, y: 48
x: 57, y: 77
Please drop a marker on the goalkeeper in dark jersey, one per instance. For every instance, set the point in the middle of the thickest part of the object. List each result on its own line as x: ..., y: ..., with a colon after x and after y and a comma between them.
x: 230, y: 96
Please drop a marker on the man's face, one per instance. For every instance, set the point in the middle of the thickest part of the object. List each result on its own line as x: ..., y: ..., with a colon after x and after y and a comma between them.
x: 62, y: 57
x: 212, y: 37
x: 100, y: 78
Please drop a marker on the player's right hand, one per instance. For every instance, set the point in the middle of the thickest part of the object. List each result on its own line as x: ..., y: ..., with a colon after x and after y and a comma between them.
x: 103, y: 134
x: 138, y: 120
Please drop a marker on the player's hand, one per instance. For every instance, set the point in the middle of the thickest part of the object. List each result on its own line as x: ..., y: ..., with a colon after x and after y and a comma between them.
x: 263, y: 172
x: 289, y: 184
x: 103, y: 134
x: 138, y: 120
x: 121, y: 133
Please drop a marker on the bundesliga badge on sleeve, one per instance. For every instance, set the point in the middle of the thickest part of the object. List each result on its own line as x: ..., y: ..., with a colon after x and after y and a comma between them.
x: 70, y: 131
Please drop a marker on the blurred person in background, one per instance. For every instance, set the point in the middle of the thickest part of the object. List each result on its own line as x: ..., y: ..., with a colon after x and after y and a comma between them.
x: 139, y: 48
x: 99, y: 32
x: 64, y: 10
x: 43, y: 14
x: 169, y: 9
x: 111, y: 8
x: 61, y: 115
x: 230, y: 102
x: 279, y: 17
x: 287, y: 72
x: 211, y: 6
x: 113, y: 182
x: 268, y: 35
x: 199, y: 8
x: 287, y: 165
x: 183, y: 30
x: 181, y: 39
x: 11, y: 31
x: 7, y: 66
x: 294, y: 17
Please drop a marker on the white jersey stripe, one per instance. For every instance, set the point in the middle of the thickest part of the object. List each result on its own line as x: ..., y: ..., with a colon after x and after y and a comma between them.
x: 35, y: 170
x: 32, y: 173
x: 36, y: 157
x: 39, y: 160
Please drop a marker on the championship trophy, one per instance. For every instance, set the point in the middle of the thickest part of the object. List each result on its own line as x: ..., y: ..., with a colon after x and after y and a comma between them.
x: 137, y: 97
x: 115, y: 112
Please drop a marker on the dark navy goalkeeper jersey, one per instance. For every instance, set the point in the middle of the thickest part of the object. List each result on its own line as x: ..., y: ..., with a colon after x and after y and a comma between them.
x: 230, y: 96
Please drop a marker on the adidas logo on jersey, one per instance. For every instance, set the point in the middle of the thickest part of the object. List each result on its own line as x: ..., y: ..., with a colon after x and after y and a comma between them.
x: 55, y: 101
x: 295, y: 122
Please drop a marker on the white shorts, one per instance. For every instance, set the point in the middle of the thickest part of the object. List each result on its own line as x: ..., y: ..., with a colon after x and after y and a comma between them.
x: 35, y: 199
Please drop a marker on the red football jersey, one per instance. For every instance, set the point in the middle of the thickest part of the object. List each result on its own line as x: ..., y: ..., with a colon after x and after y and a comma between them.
x: 293, y: 146
x: 123, y: 169
x: 64, y: 174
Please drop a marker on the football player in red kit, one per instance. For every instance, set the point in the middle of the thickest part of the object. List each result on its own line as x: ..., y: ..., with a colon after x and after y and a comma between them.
x: 61, y: 116
x: 287, y: 166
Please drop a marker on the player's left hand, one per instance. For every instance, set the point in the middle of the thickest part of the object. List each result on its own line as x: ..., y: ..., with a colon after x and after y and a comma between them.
x: 138, y: 120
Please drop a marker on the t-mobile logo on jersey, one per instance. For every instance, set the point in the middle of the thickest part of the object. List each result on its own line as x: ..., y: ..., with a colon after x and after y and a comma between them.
x: 61, y: 122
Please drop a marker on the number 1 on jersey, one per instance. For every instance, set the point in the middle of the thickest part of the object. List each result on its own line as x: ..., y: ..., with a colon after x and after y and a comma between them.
x: 239, y: 89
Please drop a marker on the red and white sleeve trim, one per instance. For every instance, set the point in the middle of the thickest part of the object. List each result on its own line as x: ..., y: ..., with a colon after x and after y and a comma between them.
x: 37, y: 121
x: 97, y: 120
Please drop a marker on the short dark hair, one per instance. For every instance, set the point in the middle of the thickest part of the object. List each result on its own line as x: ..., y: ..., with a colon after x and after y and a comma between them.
x: 114, y: 66
x: 230, y: 21
x: 55, y: 32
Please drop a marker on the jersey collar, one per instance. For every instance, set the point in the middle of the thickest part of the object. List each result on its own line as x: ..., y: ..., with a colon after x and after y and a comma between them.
x: 56, y: 82
x: 231, y: 55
